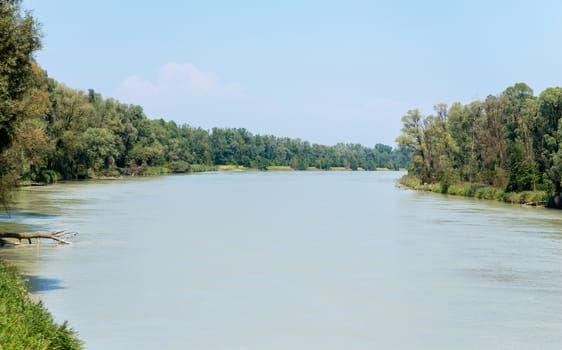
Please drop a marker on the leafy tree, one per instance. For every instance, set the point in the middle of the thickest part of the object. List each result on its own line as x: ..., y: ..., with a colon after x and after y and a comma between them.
x: 413, y: 140
x: 519, y: 112
x: 512, y: 141
x: 56, y: 132
x: 101, y: 150
x: 19, y: 39
x: 550, y: 110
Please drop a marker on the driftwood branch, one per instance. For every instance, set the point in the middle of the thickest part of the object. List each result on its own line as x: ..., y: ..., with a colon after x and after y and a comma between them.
x: 58, y: 236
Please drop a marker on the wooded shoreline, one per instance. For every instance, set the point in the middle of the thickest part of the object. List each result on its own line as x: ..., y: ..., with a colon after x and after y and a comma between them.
x: 479, y: 191
x: 217, y: 168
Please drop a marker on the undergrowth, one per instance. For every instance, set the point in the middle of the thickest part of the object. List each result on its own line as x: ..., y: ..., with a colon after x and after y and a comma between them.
x: 25, y: 324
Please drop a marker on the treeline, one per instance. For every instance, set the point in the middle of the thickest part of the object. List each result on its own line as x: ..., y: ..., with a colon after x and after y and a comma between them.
x: 511, y: 141
x: 49, y: 131
x: 80, y: 135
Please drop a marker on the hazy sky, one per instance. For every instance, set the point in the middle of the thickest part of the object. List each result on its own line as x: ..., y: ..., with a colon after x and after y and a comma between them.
x: 324, y: 71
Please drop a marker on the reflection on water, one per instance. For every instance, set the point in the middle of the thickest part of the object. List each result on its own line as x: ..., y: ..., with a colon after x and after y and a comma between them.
x: 20, y: 216
x: 37, y: 284
x: 295, y: 260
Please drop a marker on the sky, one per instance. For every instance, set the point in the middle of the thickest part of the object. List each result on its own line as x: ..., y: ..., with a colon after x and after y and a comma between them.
x: 323, y: 71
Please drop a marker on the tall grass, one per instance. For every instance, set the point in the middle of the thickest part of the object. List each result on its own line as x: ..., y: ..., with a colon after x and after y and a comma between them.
x: 478, y: 191
x: 25, y: 324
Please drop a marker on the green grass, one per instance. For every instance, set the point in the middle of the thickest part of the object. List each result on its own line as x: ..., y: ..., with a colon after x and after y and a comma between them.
x: 478, y: 191
x: 155, y: 170
x: 231, y: 167
x: 199, y: 168
x: 414, y: 183
x: 25, y: 324
x: 279, y: 168
x: 339, y: 168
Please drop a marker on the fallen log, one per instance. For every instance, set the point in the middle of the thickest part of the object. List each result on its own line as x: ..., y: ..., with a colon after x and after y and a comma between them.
x: 53, y: 235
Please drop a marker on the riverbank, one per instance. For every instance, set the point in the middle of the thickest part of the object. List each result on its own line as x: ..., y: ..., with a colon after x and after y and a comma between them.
x: 193, y: 168
x: 196, y: 168
x: 25, y: 324
x: 529, y: 198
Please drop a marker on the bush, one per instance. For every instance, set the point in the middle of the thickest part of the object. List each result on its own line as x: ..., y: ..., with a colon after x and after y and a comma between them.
x: 179, y: 166
x: 480, y: 192
x: 199, y: 168
x: 111, y: 172
x: 514, y: 197
x: 47, y: 176
x: 410, y: 181
x: 135, y: 169
x: 534, y: 197
x: 155, y: 170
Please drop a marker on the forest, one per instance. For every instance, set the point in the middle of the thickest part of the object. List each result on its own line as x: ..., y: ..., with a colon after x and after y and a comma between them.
x: 79, y: 135
x: 511, y: 141
x: 50, y: 132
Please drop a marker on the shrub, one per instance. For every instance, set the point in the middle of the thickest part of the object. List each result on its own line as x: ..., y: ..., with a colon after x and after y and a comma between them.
x: 25, y: 324
x: 179, y: 166
x: 199, y: 168
x: 155, y: 170
x: 47, y: 176
x: 481, y: 192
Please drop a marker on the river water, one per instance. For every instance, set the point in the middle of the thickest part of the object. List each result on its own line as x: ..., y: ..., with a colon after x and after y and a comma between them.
x: 292, y: 260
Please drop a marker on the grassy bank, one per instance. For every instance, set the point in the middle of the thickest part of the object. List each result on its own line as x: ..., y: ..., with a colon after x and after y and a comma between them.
x: 478, y: 191
x: 25, y: 324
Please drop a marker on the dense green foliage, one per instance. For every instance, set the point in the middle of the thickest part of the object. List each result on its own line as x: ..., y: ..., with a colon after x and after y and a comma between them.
x: 85, y: 135
x: 49, y: 131
x: 19, y: 38
x: 25, y: 324
x: 480, y: 191
x: 511, y: 142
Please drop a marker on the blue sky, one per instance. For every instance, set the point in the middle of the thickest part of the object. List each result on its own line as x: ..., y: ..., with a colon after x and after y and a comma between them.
x: 323, y: 71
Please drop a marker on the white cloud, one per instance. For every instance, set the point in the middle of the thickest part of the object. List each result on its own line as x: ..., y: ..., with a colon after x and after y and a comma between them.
x: 175, y: 82
x: 135, y: 86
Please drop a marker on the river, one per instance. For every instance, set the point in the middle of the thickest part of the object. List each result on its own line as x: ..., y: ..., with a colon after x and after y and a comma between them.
x: 292, y: 260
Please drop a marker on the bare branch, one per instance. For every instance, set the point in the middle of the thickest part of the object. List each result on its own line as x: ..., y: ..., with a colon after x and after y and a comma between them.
x: 53, y: 235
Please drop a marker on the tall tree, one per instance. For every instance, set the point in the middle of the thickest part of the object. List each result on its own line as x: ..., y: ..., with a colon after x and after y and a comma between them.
x: 19, y: 39
x: 550, y: 110
x: 519, y: 114
x: 413, y: 140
